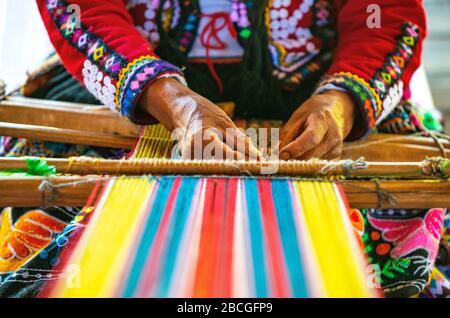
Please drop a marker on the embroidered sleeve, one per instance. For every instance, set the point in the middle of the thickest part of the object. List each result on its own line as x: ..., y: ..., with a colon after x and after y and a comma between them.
x: 375, y: 65
x: 99, y: 45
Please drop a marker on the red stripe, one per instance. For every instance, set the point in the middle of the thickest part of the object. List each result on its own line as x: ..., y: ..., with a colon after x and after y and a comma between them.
x: 219, y: 239
x: 66, y: 252
x: 227, y: 257
x: 152, y: 266
x: 276, y: 266
x: 203, y: 273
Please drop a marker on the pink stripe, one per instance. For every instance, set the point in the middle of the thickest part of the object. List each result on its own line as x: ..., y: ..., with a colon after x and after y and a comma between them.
x: 151, y: 271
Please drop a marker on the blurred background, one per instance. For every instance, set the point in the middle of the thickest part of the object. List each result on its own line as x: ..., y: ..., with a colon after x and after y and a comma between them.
x: 24, y: 44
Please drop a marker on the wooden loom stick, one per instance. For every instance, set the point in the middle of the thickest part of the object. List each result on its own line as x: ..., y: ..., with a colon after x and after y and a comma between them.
x: 74, y: 191
x: 81, y: 117
x: 66, y: 136
x: 437, y: 167
x: 71, y: 122
x: 399, y: 152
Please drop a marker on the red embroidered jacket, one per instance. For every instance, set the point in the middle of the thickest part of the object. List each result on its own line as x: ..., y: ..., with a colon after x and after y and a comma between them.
x: 110, y: 48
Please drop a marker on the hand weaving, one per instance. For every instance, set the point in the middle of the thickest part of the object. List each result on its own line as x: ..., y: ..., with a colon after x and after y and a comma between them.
x: 213, y: 237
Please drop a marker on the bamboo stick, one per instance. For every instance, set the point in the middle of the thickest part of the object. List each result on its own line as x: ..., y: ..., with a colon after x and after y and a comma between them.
x: 82, y: 117
x: 408, y: 139
x: 391, y: 152
x: 88, y: 166
x: 66, y: 136
x: 87, y: 118
x: 74, y: 191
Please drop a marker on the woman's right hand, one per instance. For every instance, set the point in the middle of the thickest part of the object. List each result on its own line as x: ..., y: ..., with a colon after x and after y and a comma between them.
x: 199, y: 126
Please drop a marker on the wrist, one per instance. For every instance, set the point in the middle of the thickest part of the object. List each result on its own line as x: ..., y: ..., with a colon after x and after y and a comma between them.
x: 161, y: 101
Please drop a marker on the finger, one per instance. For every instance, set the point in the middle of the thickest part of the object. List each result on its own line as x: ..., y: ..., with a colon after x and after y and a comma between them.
x: 218, y: 150
x: 308, y: 140
x: 245, y: 145
x: 290, y: 131
x: 334, y: 153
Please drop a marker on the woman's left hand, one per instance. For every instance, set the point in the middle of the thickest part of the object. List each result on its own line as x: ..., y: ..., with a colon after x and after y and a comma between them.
x: 318, y: 128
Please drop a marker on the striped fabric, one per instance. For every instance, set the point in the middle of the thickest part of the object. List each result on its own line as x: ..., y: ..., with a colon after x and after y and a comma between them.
x: 172, y: 236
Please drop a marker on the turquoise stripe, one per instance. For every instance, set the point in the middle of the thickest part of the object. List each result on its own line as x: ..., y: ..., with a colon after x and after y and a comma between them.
x: 148, y: 236
x: 285, y: 216
x: 175, y: 233
x: 256, y: 237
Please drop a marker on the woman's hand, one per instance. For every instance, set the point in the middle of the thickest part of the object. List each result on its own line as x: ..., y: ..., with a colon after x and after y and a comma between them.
x: 318, y: 128
x: 199, y: 125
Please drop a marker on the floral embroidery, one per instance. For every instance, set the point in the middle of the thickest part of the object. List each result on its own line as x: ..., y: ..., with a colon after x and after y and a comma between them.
x: 357, y: 221
x: 411, y: 234
x: 403, y: 244
x: 137, y: 76
x: 98, y: 84
x: 85, y: 41
x: 386, y: 81
x: 23, y: 240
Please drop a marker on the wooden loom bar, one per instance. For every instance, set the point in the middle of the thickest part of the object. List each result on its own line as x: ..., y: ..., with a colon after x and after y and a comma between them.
x: 24, y: 192
x: 108, y: 129
x: 88, y: 166
x: 71, y: 116
x: 66, y: 136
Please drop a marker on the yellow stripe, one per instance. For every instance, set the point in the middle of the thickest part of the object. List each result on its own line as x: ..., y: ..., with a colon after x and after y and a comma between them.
x: 341, y: 269
x: 108, y: 239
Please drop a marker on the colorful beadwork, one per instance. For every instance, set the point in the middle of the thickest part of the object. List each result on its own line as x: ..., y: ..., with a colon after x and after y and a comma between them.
x: 85, y: 41
x: 364, y: 94
x: 387, y: 80
x: 136, y: 76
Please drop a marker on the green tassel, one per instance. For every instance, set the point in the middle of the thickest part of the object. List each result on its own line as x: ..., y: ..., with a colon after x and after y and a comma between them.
x: 35, y: 167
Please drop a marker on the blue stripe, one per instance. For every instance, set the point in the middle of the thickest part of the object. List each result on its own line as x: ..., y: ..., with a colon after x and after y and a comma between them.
x: 285, y: 215
x: 175, y: 233
x: 148, y: 236
x: 256, y: 237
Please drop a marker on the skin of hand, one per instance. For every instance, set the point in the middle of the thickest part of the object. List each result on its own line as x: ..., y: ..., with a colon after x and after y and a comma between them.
x: 194, y: 117
x: 319, y: 127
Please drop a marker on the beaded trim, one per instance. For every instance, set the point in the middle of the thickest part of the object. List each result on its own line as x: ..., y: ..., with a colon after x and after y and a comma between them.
x: 137, y: 75
x: 395, y: 63
x: 361, y: 91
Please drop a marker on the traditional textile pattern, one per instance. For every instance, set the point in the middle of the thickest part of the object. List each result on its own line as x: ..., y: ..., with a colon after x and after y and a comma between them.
x: 404, y: 245
x: 406, y: 119
x: 192, y: 237
x: 384, y: 91
x: 364, y: 94
x: 387, y: 81
x: 137, y: 76
x: 23, y: 238
x: 439, y: 286
x: 286, y: 46
x: 104, y: 68
x: 84, y: 40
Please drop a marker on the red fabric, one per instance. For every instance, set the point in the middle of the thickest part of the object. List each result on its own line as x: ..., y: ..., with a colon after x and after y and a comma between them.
x: 361, y: 50
x: 110, y: 21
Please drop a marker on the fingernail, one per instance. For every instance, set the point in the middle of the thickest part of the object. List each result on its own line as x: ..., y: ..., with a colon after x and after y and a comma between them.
x: 284, y: 156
